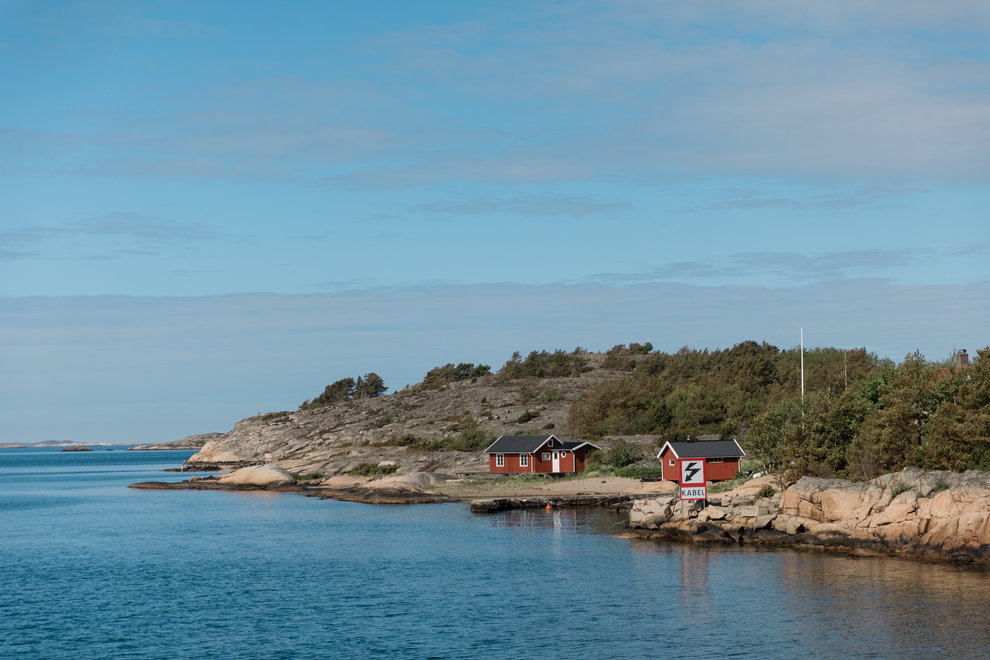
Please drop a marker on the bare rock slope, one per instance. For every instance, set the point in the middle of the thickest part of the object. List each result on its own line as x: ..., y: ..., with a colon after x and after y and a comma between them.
x: 398, y: 429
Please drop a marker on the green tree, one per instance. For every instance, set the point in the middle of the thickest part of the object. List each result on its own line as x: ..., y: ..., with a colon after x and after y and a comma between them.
x: 773, y: 432
x: 370, y: 386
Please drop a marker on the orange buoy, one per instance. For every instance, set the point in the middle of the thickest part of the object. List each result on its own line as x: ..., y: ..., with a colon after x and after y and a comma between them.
x: 549, y: 507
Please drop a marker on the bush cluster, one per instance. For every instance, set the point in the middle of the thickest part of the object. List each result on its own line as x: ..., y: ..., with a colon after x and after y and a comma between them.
x: 861, y: 416
x: 347, y: 389
x: 541, y: 364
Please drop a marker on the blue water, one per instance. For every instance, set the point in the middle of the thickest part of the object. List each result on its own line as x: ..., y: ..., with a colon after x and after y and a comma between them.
x: 92, y: 569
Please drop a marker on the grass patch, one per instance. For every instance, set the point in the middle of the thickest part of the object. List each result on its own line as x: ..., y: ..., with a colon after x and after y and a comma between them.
x: 309, y: 477
x: 723, y: 486
x: 372, y: 469
x: 466, y: 440
x: 527, y: 416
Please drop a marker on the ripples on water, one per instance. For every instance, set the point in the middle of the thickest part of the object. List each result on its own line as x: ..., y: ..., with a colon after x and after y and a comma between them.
x: 91, y: 569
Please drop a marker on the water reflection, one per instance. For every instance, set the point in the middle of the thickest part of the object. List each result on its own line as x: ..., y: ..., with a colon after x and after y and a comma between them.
x: 895, y: 607
x: 559, y: 520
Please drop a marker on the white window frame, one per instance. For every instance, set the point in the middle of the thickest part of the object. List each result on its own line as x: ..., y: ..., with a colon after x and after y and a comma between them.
x: 546, y: 456
x: 715, y: 460
x: 523, y: 460
x: 672, y: 463
x: 499, y: 460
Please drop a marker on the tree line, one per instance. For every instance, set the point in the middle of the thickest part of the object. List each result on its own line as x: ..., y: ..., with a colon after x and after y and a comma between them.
x: 861, y: 415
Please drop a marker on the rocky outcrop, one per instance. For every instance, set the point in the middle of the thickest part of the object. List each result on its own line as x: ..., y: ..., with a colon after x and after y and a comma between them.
x: 912, y: 513
x: 258, y: 475
x: 194, y: 442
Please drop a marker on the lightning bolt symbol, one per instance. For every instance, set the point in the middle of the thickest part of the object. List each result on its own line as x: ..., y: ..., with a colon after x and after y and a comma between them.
x: 690, y: 472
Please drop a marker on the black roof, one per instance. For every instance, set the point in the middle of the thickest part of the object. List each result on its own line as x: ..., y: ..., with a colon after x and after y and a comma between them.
x: 518, y: 444
x: 705, y: 449
x: 527, y: 444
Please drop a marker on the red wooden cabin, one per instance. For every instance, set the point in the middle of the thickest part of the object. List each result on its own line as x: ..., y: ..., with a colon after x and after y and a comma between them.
x: 722, y: 458
x: 537, y: 454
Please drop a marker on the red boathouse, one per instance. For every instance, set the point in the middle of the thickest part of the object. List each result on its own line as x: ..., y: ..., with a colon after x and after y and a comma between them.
x: 722, y: 458
x: 537, y: 454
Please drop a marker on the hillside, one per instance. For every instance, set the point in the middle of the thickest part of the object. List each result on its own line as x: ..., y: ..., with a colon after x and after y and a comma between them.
x: 861, y: 415
x: 417, y: 429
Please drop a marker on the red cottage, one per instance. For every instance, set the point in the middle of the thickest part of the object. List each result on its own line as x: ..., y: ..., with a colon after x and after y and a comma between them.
x: 537, y: 454
x: 722, y: 458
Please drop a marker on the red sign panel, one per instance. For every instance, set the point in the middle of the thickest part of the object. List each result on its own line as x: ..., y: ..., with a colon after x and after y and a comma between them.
x: 693, y: 486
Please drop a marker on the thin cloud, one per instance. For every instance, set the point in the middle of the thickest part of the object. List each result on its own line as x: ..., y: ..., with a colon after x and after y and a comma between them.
x: 786, y: 266
x: 862, y: 198
x: 141, y: 227
x: 549, y: 206
x: 142, y: 235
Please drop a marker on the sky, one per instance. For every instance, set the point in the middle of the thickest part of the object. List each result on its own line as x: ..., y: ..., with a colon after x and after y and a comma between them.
x: 214, y: 209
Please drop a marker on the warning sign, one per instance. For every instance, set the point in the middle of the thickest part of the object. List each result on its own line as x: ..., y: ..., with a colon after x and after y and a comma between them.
x: 693, y: 485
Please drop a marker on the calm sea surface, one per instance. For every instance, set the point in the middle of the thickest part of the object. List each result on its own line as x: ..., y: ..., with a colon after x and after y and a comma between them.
x: 92, y: 569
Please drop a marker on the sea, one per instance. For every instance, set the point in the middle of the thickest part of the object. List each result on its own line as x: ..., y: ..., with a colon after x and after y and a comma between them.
x: 92, y: 569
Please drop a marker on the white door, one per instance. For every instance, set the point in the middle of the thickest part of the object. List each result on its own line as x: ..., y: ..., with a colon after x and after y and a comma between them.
x: 556, y: 461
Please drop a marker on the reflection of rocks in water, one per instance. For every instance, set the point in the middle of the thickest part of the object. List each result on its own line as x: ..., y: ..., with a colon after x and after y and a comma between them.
x: 877, y: 599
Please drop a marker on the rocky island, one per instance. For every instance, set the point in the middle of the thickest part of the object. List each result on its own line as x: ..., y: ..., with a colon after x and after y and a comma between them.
x: 423, y: 444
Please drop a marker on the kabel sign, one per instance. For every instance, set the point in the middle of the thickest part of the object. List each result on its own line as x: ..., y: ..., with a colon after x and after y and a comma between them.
x: 693, y: 486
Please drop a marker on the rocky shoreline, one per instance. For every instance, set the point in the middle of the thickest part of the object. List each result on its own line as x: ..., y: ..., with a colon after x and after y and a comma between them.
x: 939, y: 516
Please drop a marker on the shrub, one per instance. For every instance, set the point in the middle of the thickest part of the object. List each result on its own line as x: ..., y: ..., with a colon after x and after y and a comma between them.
x: 368, y: 386
x: 766, y: 492
x: 372, y: 469
x: 438, y: 377
x: 471, y: 439
x: 527, y: 416
x: 621, y: 454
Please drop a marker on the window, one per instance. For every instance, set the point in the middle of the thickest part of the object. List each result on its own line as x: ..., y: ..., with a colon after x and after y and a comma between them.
x: 715, y: 460
x: 672, y: 462
x: 523, y: 460
x: 546, y: 456
x: 499, y: 460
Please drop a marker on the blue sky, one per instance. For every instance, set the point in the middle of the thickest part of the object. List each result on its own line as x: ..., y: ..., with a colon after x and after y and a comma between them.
x: 209, y: 210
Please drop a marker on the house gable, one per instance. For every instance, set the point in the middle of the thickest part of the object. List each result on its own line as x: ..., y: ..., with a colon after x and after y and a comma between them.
x: 722, y: 458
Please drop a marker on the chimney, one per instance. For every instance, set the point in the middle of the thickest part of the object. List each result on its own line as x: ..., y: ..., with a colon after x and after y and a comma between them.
x: 962, y: 358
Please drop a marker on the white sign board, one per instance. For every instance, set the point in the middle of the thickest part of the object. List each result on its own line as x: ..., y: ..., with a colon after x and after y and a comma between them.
x: 693, y: 486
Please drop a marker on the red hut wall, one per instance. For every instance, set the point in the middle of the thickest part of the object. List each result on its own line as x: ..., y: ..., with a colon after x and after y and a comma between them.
x: 714, y: 471
x: 510, y: 466
x: 721, y: 471
x: 570, y: 462
x: 545, y: 466
x: 669, y: 471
